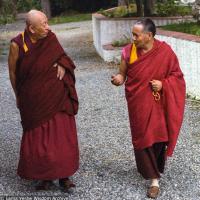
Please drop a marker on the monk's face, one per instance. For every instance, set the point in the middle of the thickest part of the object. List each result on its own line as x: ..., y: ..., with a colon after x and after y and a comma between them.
x: 140, y: 37
x: 40, y: 27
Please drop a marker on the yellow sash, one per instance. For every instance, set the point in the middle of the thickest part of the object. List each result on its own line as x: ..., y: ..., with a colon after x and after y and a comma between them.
x: 24, y: 44
x: 133, y: 56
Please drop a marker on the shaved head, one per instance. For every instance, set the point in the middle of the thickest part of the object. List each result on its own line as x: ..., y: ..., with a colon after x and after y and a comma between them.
x: 33, y: 16
x: 37, y: 24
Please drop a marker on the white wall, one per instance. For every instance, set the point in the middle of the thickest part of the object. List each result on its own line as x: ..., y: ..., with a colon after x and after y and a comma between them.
x: 188, y: 53
x: 106, y: 31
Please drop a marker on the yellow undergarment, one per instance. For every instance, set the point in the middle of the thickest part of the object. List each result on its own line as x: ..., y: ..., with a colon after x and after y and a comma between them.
x: 24, y: 44
x: 133, y: 56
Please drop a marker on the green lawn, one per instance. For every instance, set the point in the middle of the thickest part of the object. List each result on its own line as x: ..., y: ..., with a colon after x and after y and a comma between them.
x: 191, y: 28
x: 70, y: 18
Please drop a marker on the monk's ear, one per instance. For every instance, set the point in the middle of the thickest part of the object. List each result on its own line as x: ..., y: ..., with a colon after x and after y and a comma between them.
x: 31, y: 29
x: 149, y: 35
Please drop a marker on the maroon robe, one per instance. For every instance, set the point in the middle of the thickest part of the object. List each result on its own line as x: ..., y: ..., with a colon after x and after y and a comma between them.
x: 41, y: 95
x: 154, y: 121
x: 49, y: 147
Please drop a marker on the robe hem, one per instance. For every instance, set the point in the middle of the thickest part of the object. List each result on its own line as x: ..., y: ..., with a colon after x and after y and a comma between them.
x: 49, y: 178
x: 150, y: 145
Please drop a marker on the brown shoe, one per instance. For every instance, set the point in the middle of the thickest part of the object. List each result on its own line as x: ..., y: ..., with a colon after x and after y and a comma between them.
x: 153, y: 192
x: 44, y: 185
x: 66, y: 185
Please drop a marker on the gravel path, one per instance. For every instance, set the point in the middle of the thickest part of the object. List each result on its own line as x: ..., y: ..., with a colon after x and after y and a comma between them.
x: 107, y: 168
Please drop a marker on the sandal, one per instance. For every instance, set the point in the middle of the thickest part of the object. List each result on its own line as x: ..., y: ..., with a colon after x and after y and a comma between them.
x: 44, y: 185
x: 66, y: 185
x: 153, y: 192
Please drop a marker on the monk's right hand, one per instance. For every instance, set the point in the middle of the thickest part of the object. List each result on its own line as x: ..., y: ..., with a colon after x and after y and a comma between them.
x: 117, y: 79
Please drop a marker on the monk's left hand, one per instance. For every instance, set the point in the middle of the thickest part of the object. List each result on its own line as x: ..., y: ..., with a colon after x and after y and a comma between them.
x: 60, y: 71
x: 156, y: 85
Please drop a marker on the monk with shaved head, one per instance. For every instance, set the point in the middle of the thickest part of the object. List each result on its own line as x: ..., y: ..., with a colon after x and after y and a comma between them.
x: 42, y: 77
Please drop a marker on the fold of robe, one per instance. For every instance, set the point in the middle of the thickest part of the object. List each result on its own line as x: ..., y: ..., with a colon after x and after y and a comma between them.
x: 41, y: 95
x: 154, y: 121
x: 50, y: 151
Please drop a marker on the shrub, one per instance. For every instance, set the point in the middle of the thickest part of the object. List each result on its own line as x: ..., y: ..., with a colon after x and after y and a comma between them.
x: 121, y: 11
x: 7, y: 11
x: 6, y: 19
x: 121, y: 42
x: 171, y: 8
x: 26, y: 5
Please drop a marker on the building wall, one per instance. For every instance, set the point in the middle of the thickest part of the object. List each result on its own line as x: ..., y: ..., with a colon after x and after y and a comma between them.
x: 188, y: 53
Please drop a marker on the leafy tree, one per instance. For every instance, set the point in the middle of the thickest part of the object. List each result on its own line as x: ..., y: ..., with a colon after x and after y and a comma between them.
x: 123, y: 2
x: 46, y: 7
x: 145, y: 7
x: 8, y: 10
x: 26, y: 5
x: 61, y: 6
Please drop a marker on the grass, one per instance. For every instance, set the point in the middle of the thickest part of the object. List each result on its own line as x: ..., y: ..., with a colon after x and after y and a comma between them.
x: 70, y: 18
x: 191, y: 28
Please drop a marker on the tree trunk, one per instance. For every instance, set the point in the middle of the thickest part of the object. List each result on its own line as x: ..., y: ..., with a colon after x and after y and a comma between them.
x: 46, y: 8
x: 14, y: 6
x: 148, y: 7
x: 123, y: 2
x: 139, y: 8
x: 1, y: 4
x: 196, y: 10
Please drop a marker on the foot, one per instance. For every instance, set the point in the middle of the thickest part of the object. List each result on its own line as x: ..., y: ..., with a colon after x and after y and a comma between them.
x: 44, y: 185
x: 66, y: 185
x: 153, y: 192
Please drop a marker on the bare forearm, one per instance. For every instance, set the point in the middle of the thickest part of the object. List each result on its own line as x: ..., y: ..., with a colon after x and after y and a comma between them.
x: 12, y: 64
x: 120, y: 78
x: 123, y: 68
x: 13, y: 83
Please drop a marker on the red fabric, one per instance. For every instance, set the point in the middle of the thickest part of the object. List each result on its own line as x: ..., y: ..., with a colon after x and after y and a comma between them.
x: 41, y: 94
x: 126, y: 53
x: 50, y: 151
x: 19, y: 41
x: 151, y: 160
x: 155, y: 121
